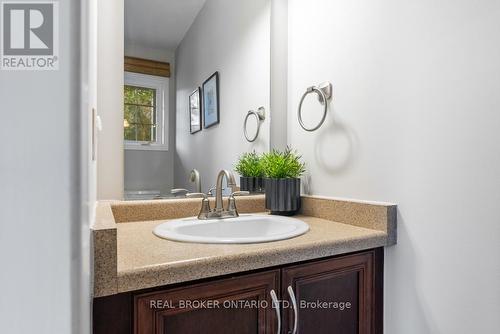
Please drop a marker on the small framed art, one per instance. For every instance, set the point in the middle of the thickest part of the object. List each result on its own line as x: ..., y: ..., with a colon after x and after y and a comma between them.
x: 211, y: 101
x: 195, y: 111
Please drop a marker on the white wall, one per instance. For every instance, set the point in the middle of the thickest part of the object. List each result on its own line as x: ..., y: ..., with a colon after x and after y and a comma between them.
x: 232, y: 37
x: 153, y: 169
x: 416, y: 122
x: 40, y: 200
x: 110, y: 99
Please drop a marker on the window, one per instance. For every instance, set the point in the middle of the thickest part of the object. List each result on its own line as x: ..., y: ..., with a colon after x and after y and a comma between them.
x: 145, y: 112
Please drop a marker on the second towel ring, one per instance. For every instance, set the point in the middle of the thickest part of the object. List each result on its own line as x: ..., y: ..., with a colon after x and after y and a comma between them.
x: 324, y: 92
x: 260, y: 114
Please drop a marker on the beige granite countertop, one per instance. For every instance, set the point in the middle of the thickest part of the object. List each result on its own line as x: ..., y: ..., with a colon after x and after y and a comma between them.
x: 141, y: 260
x: 144, y: 260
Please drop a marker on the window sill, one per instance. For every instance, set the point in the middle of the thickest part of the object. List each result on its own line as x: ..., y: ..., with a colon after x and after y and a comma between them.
x: 145, y: 147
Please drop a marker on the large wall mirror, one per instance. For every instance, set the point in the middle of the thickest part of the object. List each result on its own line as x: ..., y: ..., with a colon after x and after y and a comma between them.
x: 193, y: 71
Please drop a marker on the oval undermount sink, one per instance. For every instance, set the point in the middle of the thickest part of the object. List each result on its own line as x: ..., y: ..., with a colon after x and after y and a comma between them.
x: 244, y: 229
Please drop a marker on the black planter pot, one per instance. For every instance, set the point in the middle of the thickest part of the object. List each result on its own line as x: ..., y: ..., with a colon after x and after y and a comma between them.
x: 282, y: 196
x: 252, y: 184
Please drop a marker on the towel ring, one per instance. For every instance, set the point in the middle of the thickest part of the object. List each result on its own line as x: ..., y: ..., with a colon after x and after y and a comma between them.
x: 260, y: 114
x: 324, y: 92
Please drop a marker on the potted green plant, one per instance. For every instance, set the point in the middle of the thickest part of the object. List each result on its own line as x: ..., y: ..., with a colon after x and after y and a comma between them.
x: 251, y: 173
x: 282, y: 170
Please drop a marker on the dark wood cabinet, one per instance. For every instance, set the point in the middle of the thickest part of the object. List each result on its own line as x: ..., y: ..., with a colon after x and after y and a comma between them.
x: 341, y: 295
x: 338, y: 295
x: 235, y: 305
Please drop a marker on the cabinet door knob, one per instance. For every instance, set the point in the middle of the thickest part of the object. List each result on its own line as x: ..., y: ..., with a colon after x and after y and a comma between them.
x: 295, y: 311
x: 276, y: 305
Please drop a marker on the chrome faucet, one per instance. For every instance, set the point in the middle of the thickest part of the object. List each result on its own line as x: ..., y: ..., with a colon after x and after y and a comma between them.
x: 231, y: 183
x: 219, y: 212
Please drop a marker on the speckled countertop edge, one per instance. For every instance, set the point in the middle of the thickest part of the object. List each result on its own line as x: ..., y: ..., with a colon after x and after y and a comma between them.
x: 246, y: 260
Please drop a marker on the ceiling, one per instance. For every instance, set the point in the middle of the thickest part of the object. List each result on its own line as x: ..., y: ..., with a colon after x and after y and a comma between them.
x: 159, y: 24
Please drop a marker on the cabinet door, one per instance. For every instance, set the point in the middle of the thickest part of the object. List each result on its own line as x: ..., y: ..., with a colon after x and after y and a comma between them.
x: 235, y: 305
x: 341, y: 295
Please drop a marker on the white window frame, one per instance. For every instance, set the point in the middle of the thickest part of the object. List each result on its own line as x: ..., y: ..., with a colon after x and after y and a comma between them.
x: 160, y: 84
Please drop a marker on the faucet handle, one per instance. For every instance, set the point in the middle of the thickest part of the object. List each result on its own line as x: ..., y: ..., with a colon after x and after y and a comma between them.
x: 197, y: 195
x: 240, y: 193
x: 179, y: 191
x: 231, y: 205
x: 205, y: 204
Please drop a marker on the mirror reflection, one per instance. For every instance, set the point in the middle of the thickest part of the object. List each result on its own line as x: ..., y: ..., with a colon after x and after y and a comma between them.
x: 196, y: 72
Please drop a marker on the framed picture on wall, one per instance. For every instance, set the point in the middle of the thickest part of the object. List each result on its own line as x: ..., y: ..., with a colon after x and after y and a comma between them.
x: 211, y: 101
x: 195, y: 111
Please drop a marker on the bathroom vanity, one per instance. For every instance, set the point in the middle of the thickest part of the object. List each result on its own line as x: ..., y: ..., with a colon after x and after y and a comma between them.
x: 329, y: 277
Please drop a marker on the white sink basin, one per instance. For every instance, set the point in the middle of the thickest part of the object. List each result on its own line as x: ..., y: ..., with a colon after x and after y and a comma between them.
x: 242, y: 230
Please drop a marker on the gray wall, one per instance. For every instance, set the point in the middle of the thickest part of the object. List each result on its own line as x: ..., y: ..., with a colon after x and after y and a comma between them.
x: 279, y: 72
x: 415, y: 121
x: 148, y: 170
x: 232, y: 37
x: 40, y: 225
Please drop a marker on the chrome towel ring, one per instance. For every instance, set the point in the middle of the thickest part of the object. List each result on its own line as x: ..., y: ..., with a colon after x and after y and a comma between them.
x: 260, y: 114
x: 324, y: 91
